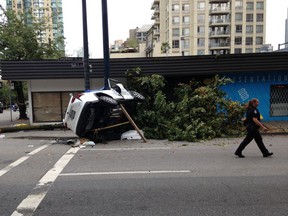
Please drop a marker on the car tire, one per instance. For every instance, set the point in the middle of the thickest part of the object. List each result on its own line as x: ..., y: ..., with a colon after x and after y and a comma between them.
x: 108, y: 101
x: 137, y: 96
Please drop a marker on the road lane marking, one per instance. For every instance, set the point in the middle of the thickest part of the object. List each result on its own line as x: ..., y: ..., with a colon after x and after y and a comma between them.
x: 32, y: 201
x: 21, y: 160
x: 125, y: 149
x: 127, y: 172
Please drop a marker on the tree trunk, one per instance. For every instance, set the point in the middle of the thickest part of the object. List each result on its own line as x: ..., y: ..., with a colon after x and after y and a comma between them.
x: 21, y: 99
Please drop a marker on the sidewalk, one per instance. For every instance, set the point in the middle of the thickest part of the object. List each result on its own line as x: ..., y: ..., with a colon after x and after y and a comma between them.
x: 10, y: 119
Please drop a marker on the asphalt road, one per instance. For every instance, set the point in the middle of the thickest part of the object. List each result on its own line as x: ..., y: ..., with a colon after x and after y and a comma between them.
x: 43, y: 177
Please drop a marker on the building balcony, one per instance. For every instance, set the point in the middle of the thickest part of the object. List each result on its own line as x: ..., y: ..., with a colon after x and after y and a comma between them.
x: 219, y: 45
x: 220, y: 22
x: 155, y: 4
x: 156, y: 32
x: 218, y: 34
x: 156, y: 24
x: 218, y: 1
x: 157, y: 20
x: 156, y: 11
x: 220, y: 10
x: 154, y: 16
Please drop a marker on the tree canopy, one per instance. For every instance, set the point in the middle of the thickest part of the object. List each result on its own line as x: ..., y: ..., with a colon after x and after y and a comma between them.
x: 22, y: 38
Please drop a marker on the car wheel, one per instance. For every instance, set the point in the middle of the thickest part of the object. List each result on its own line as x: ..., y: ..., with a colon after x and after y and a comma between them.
x: 137, y: 96
x: 108, y: 101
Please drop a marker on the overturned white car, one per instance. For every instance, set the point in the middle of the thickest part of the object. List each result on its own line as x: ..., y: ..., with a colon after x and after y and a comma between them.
x: 89, y: 111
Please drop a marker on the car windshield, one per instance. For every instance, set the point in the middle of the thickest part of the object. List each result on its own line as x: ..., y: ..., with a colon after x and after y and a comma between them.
x: 112, y: 82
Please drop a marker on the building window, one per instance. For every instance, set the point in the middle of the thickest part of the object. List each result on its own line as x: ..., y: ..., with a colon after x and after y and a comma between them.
x: 201, y: 52
x: 249, y: 40
x: 186, y: 32
x: 238, y: 40
x: 257, y: 50
x: 260, y: 5
x: 279, y: 100
x: 201, y: 18
x: 259, y: 40
x: 238, y: 29
x: 186, y: 20
x: 237, y: 50
x: 238, y: 17
x: 239, y: 5
x: 201, y: 6
x: 186, y: 44
x: 200, y: 42
x: 249, y: 17
x: 259, y: 17
x: 176, y: 20
x: 175, y: 7
x: 259, y: 29
x: 249, y: 50
x: 201, y: 30
x: 175, y: 32
x: 186, y: 53
x: 175, y: 44
x: 250, y: 6
x: 186, y: 7
x: 249, y: 29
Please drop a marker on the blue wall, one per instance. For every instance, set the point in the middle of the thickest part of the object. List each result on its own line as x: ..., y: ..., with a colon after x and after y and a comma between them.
x: 256, y: 85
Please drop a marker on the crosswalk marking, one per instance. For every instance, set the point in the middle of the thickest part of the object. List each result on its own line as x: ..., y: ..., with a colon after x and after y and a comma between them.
x: 31, y: 202
x: 21, y: 160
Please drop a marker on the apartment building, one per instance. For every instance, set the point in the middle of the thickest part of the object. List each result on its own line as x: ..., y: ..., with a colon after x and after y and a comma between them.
x: 50, y: 10
x: 201, y: 27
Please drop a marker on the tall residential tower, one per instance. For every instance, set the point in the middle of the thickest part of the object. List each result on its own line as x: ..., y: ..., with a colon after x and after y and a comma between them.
x: 43, y: 9
x: 198, y: 27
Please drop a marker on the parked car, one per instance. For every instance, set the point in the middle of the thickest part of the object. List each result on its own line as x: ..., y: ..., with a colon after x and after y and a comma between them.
x: 96, y: 109
x: 1, y: 107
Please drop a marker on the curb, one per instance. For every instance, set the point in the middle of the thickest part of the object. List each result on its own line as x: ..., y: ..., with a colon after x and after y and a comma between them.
x: 30, y: 127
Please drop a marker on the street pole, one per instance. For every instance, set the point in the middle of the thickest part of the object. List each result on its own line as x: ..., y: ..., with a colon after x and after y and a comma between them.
x: 85, y: 47
x: 105, y: 44
x: 10, y: 99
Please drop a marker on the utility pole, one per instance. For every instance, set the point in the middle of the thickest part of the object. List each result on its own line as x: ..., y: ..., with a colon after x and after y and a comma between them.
x: 105, y: 44
x: 85, y: 47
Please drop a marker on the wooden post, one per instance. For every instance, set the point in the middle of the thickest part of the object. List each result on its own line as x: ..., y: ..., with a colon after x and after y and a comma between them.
x: 132, y: 122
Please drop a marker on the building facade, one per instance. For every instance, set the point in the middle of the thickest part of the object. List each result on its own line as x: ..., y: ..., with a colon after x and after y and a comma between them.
x: 261, y: 75
x: 48, y: 10
x: 201, y: 27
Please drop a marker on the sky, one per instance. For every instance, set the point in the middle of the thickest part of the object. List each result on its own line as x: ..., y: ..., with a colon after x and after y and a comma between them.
x: 129, y: 14
x: 122, y: 16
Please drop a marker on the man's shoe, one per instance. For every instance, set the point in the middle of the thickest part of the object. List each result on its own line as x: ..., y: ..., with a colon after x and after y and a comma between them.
x: 239, y: 155
x: 268, y: 154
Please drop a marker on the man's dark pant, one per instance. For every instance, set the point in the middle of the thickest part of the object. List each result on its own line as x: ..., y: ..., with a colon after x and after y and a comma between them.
x: 252, y: 134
